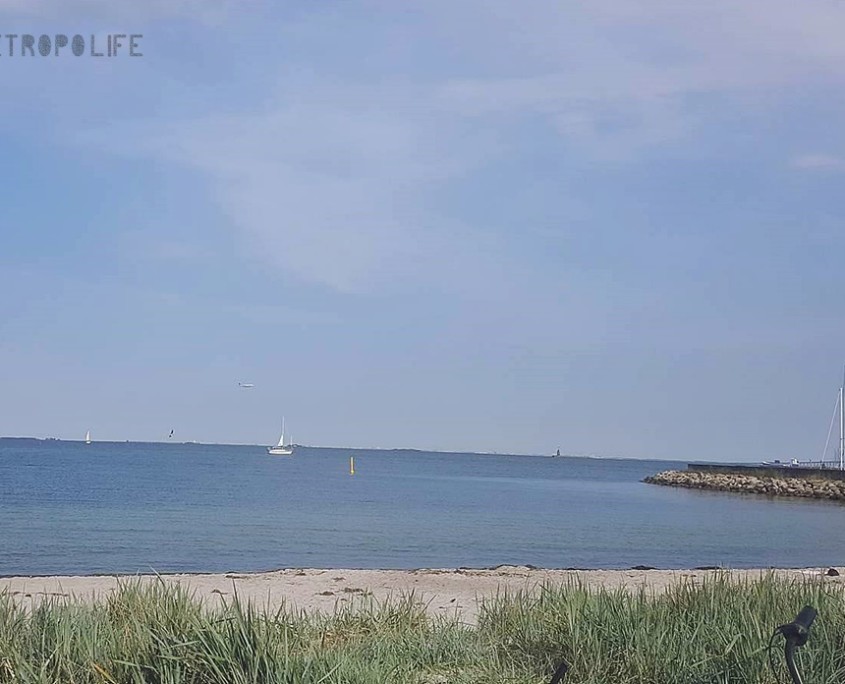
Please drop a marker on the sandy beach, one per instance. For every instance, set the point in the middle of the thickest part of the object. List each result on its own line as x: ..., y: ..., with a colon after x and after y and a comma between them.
x: 444, y: 591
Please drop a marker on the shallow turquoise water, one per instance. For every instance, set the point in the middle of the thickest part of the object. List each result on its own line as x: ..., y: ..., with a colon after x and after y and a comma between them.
x: 125, y: 507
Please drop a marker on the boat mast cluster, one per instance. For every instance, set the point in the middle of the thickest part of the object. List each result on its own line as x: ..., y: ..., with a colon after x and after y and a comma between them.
x: 841, y: 425
x: 840, y: 404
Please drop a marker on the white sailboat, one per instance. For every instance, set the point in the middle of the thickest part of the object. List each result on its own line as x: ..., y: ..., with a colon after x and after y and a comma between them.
x: 281, y: 449
x: 88, y: 437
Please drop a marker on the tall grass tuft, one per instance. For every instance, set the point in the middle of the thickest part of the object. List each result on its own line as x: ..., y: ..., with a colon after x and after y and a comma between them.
x: 691, y: 634
x: 158, y: 633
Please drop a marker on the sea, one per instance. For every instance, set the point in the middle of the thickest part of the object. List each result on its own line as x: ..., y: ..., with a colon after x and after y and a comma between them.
x: 104, y: 508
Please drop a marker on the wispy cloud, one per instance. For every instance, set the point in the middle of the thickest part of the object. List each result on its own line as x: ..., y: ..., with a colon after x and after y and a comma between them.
x: 90, y: 10
x: 824, y: 162
x: 325, y: 187
x: 618, y: 78
x: 335, y: 180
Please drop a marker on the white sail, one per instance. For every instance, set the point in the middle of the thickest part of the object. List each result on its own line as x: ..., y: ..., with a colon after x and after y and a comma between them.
x: 280, y: 449
x: 88, y: 437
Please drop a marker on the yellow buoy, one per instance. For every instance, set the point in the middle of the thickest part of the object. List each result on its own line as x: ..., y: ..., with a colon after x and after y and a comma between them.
x: 351, y: 465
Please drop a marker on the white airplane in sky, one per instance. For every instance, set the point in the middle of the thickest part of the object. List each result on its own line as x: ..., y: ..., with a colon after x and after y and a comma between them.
x: 246, y: 385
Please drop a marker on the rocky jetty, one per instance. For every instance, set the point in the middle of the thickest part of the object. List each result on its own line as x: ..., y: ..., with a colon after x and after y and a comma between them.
x: 809, y: 488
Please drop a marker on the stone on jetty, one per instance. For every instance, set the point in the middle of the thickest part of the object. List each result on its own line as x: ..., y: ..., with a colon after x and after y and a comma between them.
x: 810, y: 488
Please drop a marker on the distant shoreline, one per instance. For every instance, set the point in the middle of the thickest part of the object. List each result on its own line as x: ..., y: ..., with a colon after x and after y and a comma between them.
x: 413, y: 450
x: 304, y: 446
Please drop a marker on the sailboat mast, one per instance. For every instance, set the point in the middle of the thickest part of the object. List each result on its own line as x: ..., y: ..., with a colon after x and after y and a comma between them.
x: 841, y: 427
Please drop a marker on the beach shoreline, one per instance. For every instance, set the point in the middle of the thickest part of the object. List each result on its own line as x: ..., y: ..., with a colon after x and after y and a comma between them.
x: 444, y: 591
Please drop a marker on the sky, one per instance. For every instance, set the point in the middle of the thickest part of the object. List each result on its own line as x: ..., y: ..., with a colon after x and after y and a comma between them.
x: 613, y: 228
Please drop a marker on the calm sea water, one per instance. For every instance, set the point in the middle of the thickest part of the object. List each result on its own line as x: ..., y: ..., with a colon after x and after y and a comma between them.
x: 68, y: 508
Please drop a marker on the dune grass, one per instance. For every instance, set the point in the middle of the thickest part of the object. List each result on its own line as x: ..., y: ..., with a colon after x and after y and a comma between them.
x: 160, y: 634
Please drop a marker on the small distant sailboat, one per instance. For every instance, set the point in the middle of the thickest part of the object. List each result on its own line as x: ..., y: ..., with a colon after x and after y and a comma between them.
x: 281, y: 449
x: 88, y: 437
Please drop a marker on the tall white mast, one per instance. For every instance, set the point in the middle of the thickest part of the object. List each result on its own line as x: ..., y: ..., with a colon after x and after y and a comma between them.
x: 841, y: 427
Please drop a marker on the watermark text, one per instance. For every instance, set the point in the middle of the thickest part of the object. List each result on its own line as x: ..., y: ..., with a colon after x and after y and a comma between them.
x: 58, y: 44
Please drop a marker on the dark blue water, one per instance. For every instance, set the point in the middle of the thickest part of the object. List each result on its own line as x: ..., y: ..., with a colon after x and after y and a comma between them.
x: 68, y: 508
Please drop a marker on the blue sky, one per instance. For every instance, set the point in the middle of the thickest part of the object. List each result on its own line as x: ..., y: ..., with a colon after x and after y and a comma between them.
x: 610, y: 228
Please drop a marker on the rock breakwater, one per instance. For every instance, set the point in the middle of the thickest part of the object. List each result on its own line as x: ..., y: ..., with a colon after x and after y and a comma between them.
x: 809, y: 488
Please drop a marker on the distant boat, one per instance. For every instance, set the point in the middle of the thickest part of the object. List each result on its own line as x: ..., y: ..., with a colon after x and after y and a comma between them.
x: 88, y: 437
x: 281, y: 449
x: 794, y: 463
